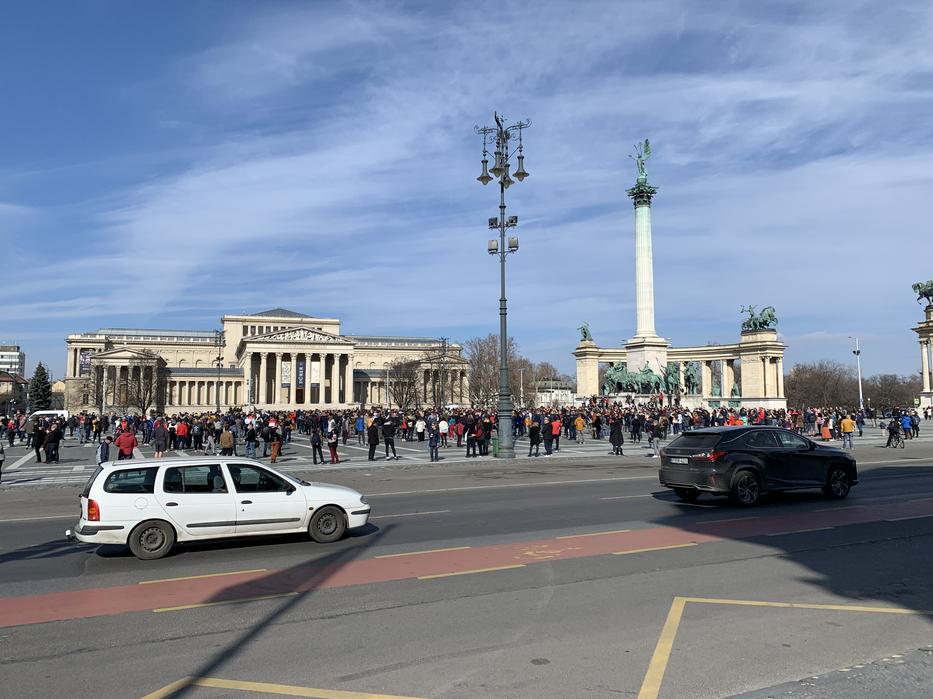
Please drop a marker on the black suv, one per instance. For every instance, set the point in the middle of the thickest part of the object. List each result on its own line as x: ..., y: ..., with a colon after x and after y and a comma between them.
x: 744, y: 462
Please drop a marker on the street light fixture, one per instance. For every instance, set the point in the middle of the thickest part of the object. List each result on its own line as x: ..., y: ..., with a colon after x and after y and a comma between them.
x: 219, y: 341
x: 499, y: 137
x: 858, y: 363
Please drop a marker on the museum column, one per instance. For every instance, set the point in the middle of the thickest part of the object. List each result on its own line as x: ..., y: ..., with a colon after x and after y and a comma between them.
x: 349, y: 393
x: 925, y: 364
x: 277, y: 386
x: 293, y: 387
x: 261, y: 394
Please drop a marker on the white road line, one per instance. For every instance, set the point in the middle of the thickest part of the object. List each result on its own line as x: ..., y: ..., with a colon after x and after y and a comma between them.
x: 627, y: 497
x: 77, y: 467
x: 36, y: 519
x: 20, y: 461
x: 512, y: 485
x: 411, y: 514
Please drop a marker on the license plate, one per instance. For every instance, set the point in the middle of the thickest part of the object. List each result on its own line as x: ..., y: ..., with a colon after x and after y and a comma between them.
x: 679, y: 460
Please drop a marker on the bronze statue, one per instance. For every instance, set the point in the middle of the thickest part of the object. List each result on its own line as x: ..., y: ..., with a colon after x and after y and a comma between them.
x: 924, y: 290
x: 585, y: 335
x: 642, y: 153
x: 692, y: 379
x: 765, y: 320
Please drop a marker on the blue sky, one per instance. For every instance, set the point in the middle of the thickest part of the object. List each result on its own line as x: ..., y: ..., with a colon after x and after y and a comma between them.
x: 165, y: 163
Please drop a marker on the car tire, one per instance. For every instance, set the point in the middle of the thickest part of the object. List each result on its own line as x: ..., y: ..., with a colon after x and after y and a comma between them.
x: 838, y: 483
x: 151, y: 539
x: 746, y: 488
x: 327, y: 525
x: 687, y: 494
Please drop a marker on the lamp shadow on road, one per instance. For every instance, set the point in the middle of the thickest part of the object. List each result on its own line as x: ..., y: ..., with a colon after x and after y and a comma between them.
x: 298, y: 583
x: 882, y: 557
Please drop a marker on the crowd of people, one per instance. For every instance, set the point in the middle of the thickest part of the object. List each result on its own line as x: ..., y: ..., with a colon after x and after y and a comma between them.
x: 263, y: 434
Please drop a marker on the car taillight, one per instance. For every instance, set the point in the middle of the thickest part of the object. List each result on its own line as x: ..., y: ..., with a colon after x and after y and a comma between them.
x: 714, y: 455
x: 93, y: 511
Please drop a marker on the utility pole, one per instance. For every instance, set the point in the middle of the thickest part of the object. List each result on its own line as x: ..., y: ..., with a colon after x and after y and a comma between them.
x: 443, y: 371
x: 858, y: 364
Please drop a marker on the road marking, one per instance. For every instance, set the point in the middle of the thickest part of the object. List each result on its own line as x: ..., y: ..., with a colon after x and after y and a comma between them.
x: 418, y: 553
x: 36, y: 519
x: 266, y: 688
x: 836, y: 509
x: 651, y: 685
x: 228, y: 601
x: 469, y: 572
x: 206, y: 575
x: 901, y: 519
x: 412, y: 514
x: 137, y: 454
x: 728, y: 519
x: 626, y: 497
x: 511, y: 485
x: 654, y: 548
x: 20, y: 461
x: 78, y: 467
x: 574, y: 536
x: 800, y: 531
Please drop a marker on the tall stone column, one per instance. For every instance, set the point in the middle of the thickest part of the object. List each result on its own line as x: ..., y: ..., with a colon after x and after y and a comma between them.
x: 262, y: 396
x: 277, y: 386
x: 779, y: 368
x: 644, y: 261
x: 293, y: 388
x: 707, y: 372
x: 307, y: 394
x: 925, y: 364
x: 348, y: 381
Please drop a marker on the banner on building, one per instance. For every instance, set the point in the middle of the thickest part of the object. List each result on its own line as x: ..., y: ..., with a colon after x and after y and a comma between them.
x: 84, y: 362
x: 300, y: 377
x: 249, y: 390
x: 316, y: 371
x: 286, y: 374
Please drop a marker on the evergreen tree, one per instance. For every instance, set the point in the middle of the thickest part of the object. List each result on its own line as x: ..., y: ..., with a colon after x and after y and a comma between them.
x: 40, y: 389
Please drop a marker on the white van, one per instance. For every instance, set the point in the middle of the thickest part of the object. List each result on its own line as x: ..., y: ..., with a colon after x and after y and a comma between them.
x: 49, y: 415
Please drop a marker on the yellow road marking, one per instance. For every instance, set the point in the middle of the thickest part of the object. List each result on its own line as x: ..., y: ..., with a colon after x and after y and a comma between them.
x: 418, y: 553
x: 228, y: 601
x: 901, y: 519
x: 267, y: 688
x: 800, y: 531
x: 574, y: 536
x: 207, y: 575
x: 469, y: 572
x: 651, y: 685
x: 654, y: 548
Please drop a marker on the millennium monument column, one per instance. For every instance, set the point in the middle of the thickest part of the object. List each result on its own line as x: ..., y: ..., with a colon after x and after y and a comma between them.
x: 645, y: 349
x: 924, y: 330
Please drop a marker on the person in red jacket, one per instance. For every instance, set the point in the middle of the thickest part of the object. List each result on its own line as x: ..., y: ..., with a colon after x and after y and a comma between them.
x: 126, y: 443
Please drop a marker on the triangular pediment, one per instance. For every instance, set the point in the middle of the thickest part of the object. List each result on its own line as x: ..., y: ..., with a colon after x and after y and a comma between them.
x: 299, y: 335
x: 127, y: 353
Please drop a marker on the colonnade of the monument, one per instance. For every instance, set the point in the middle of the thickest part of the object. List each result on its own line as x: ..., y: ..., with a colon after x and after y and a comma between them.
x: 327, y: 378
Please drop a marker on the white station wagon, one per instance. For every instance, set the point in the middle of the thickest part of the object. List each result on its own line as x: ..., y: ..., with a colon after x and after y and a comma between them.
x: 149, y: 504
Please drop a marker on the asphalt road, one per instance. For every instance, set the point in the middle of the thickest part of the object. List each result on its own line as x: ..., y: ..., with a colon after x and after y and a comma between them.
x: 568, y: 577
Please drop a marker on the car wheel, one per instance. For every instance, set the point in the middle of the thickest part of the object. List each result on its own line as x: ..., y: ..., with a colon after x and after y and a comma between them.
x: 152, y: 539
x: 328, y: 524
x: 838, y: 483
x: 746, y: 488
x: 687, y: 494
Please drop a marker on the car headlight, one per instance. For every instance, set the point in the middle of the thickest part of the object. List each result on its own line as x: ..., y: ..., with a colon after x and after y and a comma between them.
x: 363, y: 500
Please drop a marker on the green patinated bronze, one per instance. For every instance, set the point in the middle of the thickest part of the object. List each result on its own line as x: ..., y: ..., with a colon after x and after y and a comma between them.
x: 692, y: 379
x: 585, y: 335
x: 620, y: 380
x: 765, y: 320
x: 642, y: 192
x: 924, y: 290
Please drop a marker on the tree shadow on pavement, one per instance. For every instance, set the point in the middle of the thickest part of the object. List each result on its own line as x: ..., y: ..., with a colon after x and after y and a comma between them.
x: 299, y: 581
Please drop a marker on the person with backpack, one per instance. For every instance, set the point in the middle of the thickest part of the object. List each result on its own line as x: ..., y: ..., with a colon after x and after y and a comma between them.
x: 276, y: 444
x: 103, y: 450
x: 197, y: 435
x: 316, y: 450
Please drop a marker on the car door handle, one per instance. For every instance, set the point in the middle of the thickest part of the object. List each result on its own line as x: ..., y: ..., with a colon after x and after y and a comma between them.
x: 246, y: 502
x: 171, y: 504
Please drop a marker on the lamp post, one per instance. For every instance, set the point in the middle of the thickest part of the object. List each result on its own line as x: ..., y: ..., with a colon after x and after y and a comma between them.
x: 499, y: 137
x: 858, y: 364
x: 219, y: 341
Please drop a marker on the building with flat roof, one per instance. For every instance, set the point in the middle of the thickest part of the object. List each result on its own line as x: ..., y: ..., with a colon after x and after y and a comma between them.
x: 277, y: 360
x: 12, y: 359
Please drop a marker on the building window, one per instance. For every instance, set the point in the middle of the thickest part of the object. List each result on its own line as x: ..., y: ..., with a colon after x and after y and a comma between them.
x: 245, y: 333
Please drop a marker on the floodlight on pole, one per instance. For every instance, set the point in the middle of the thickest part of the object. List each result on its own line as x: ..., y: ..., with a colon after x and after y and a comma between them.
x: 858, y: 364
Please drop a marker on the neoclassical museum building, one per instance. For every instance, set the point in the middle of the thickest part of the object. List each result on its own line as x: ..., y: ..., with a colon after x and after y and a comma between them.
x: 276, y: 360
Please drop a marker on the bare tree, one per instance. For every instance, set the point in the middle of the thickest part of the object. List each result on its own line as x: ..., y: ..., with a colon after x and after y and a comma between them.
x: 892, y: 391
x: 146, y: 385
x: 482, y: 353
x: 821, y: 384
x: 405, y: 383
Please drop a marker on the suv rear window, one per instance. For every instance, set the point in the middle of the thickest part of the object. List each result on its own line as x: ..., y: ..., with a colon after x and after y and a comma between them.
x: 133, y: 480
x: 689, y: 440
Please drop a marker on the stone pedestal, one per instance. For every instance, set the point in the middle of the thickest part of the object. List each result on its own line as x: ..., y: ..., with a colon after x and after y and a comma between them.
x: 762, y: 356
x: 925, y: 335
x: 646, y: 351
x: 587, y: 354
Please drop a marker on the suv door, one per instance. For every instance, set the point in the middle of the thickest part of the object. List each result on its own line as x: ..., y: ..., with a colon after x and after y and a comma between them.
x: 198, y: 499
x: 766, y: 447
x: 804, y: 464
x: 265, y: 501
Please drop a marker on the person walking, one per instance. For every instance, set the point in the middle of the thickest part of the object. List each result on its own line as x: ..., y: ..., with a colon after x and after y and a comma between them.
x: 847, y: 427
x: 38, y: 439
x: 332, y: 441
x: 251, y: 440
x: 419, y: 428
x: 52, y: 443
x: 388, y: 436
x: 372, y: 436
x: 556, y: 425
x: 2, y: 457
x: 226, y: 441
x: 579, y: 424
x: 316, y: 440
x: 616, y: 435
x: 126, y: 443
x: 434, y: 440
x: 360, y: 430
x: 534, y: 438
x: 276, y: 445
x: 443, y: 427
x: 103, y: 450
x: 159, y: 439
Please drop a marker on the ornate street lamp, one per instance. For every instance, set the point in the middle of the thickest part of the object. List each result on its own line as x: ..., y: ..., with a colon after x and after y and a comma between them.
x: 499, y: 137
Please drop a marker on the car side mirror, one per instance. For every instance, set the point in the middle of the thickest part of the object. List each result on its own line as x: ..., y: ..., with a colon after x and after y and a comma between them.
x: 290, y: 489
